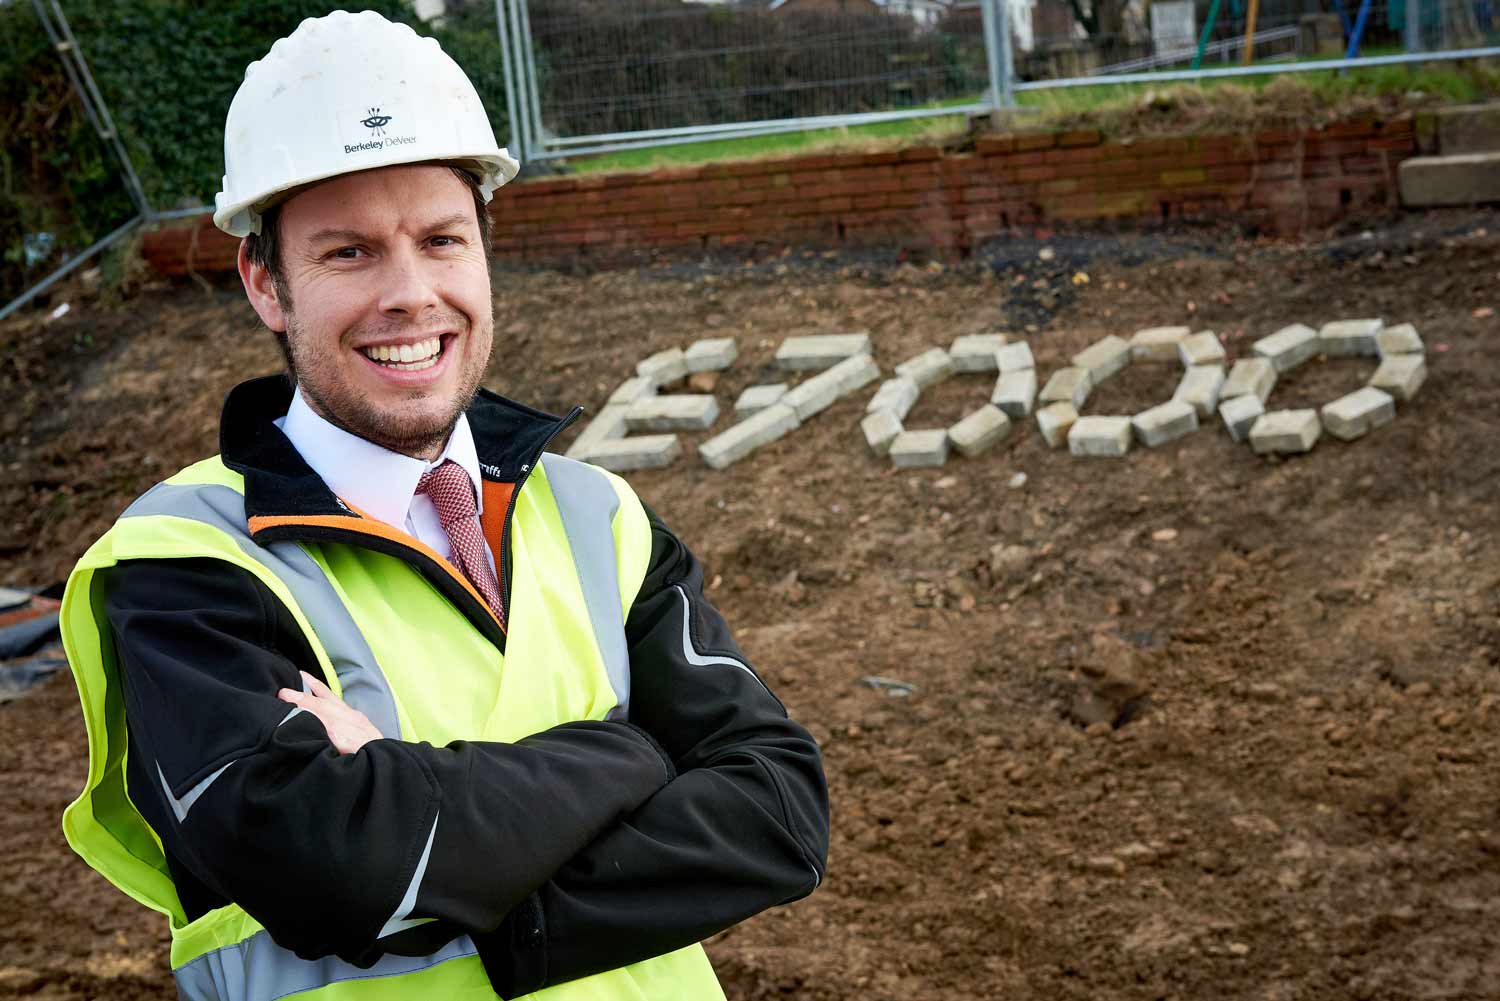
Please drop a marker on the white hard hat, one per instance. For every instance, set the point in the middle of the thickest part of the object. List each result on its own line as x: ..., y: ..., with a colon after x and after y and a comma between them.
x: 349, y: 92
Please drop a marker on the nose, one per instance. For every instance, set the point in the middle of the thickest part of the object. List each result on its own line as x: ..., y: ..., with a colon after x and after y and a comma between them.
x: 408, y: 285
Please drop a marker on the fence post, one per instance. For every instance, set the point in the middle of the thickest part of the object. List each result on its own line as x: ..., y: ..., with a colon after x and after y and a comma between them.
x: 1007, y: 55
x: 996, y: 54
x: 517, y: 141
x: 1413, y: 31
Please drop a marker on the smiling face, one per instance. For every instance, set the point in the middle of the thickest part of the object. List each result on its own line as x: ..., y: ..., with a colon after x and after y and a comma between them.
x: 386, y: 302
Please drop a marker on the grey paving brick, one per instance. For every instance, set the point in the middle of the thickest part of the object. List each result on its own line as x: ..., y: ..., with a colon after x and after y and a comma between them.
x: 1015, y: 392
x: 813, y: 396
x: 1054, y: 421
x: 664, y: 367
x: 1164, y: 422
x: 1240, y: 414
x: 757, y: 398
x: 621, y: 455
x: 1250, y: 377
x: 1401, y: 339
x: 1100, y: 436
x: 608, y: 424
x: 821, y: 350
x: 976, y: 352
x: 1103, y: 358
x: 745, y: 437
x: 1288, y: 347
x: 1202, y: 348
x: 897, y: 395
x: 632, y: 389
x: 1359, y: 413
x: 713, y: 354
x: 1349, y: 338
x: 980, y: 431
x: 880, y: 429
x: 1015, y: 357
x: 919, y: 449
x: 1067, y: 385
x: 1401, y: 375
x: 1200, y: 387
x: 854, y: 373
x: 1285, y: 431
x: 928, y: 368
x: 692, y: 412
x: 1158, y: 344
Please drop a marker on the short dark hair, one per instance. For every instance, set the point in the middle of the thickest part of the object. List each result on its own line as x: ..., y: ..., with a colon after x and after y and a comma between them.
x: 264, y: 248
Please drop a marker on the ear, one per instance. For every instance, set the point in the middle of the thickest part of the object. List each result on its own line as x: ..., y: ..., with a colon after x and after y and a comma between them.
x: 261, y: 292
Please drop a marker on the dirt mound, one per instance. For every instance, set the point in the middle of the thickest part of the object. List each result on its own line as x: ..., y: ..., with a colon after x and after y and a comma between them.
x: 1194, y: 724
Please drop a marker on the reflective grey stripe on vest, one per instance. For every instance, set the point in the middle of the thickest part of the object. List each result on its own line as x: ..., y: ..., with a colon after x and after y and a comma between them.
x: 223, y: 508
x: 587, y: 503
x: 258, y: 969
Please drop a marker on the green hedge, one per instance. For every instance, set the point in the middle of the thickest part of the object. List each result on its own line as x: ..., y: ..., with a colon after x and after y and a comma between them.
x: 168, y: 70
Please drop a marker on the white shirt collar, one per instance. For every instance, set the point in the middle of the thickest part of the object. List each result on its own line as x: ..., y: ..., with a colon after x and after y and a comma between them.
x: 373, y: 479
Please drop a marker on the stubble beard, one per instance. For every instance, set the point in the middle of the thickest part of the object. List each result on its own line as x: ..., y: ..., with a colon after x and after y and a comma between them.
x: 420, y: 434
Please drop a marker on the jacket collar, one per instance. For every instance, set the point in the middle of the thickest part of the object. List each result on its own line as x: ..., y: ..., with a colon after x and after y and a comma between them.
x: 508, y: 439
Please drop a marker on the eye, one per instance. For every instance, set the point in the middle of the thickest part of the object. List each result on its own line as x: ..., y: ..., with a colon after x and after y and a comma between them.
x: 445, y: 241
x: 347, y: 253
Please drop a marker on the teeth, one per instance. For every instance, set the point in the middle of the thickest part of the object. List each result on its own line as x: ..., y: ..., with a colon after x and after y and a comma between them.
x: 407, y: 357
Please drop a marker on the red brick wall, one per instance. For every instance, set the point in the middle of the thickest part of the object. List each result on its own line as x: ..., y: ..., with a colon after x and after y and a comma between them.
x: 921, y: 198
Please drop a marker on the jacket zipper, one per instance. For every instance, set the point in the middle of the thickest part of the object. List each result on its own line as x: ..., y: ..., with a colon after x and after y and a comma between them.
x: 510, y: 509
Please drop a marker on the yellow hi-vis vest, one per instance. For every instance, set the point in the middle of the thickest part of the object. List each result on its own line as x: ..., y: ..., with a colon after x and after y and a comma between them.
x: 393, y: 647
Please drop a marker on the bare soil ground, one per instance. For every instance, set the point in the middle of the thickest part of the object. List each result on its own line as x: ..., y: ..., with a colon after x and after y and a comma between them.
x: 1194, y: 724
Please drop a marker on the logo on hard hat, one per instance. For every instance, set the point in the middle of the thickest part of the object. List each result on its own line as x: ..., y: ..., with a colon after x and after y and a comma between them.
x: 376, y: 121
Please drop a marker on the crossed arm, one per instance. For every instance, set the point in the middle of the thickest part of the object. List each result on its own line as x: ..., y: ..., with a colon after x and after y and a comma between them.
x: 583, y: 848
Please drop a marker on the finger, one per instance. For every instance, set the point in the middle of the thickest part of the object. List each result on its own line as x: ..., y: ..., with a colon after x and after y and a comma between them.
x: 291, y: 695
x: 317, y: 687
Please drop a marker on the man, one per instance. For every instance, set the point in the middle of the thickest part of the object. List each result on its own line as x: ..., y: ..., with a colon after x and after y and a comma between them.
x: 383, y: 701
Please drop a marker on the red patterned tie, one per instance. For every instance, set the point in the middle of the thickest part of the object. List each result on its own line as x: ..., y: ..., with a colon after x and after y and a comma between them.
x: 452, y: 493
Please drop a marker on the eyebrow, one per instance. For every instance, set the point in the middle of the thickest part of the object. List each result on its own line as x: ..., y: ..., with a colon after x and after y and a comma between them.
x: 456, y: 221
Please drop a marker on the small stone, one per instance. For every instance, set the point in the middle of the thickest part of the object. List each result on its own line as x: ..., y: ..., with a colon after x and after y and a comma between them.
x: 1105, y: 865
x: 1288, y: 347
x: 820, y: 351
x: 919, y: 449
x: 1285, y: 431
x: 1100, y: 436
x: 1349, y: 338
x: 1008, y: 561
x: 1239, y: 949
x: 672, y: 413
x: 1103, y: 358
x: 1199, y: 388
x: 1401, y: 375
x: 1015, y: 392
x: 1402, y: 339
x: 703, y: 382
x: 1017, y: 481
x: 897, y: 395
x: 664, y: 367
x: 928, y: 368
x: 1055, y: 421
x: 1240, y: 414
x: 1067, y: 385
x: 1157, y: 344
x: 1136, y: 852
x: 880, y: 429
x: 1015, y: 357
x: 1249, y: 377
x: 1359, y: 413
x: 1164, y: 535
x: 1166, y: 422
x: 980, y: 431
x: 630, y: 390
x: 713, y: 354
x: 757, y: 398
x: 976, y: 352
x: 1202, y: 348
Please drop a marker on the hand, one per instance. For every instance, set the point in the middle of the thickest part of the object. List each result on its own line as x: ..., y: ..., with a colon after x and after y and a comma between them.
x: 348, y: 728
